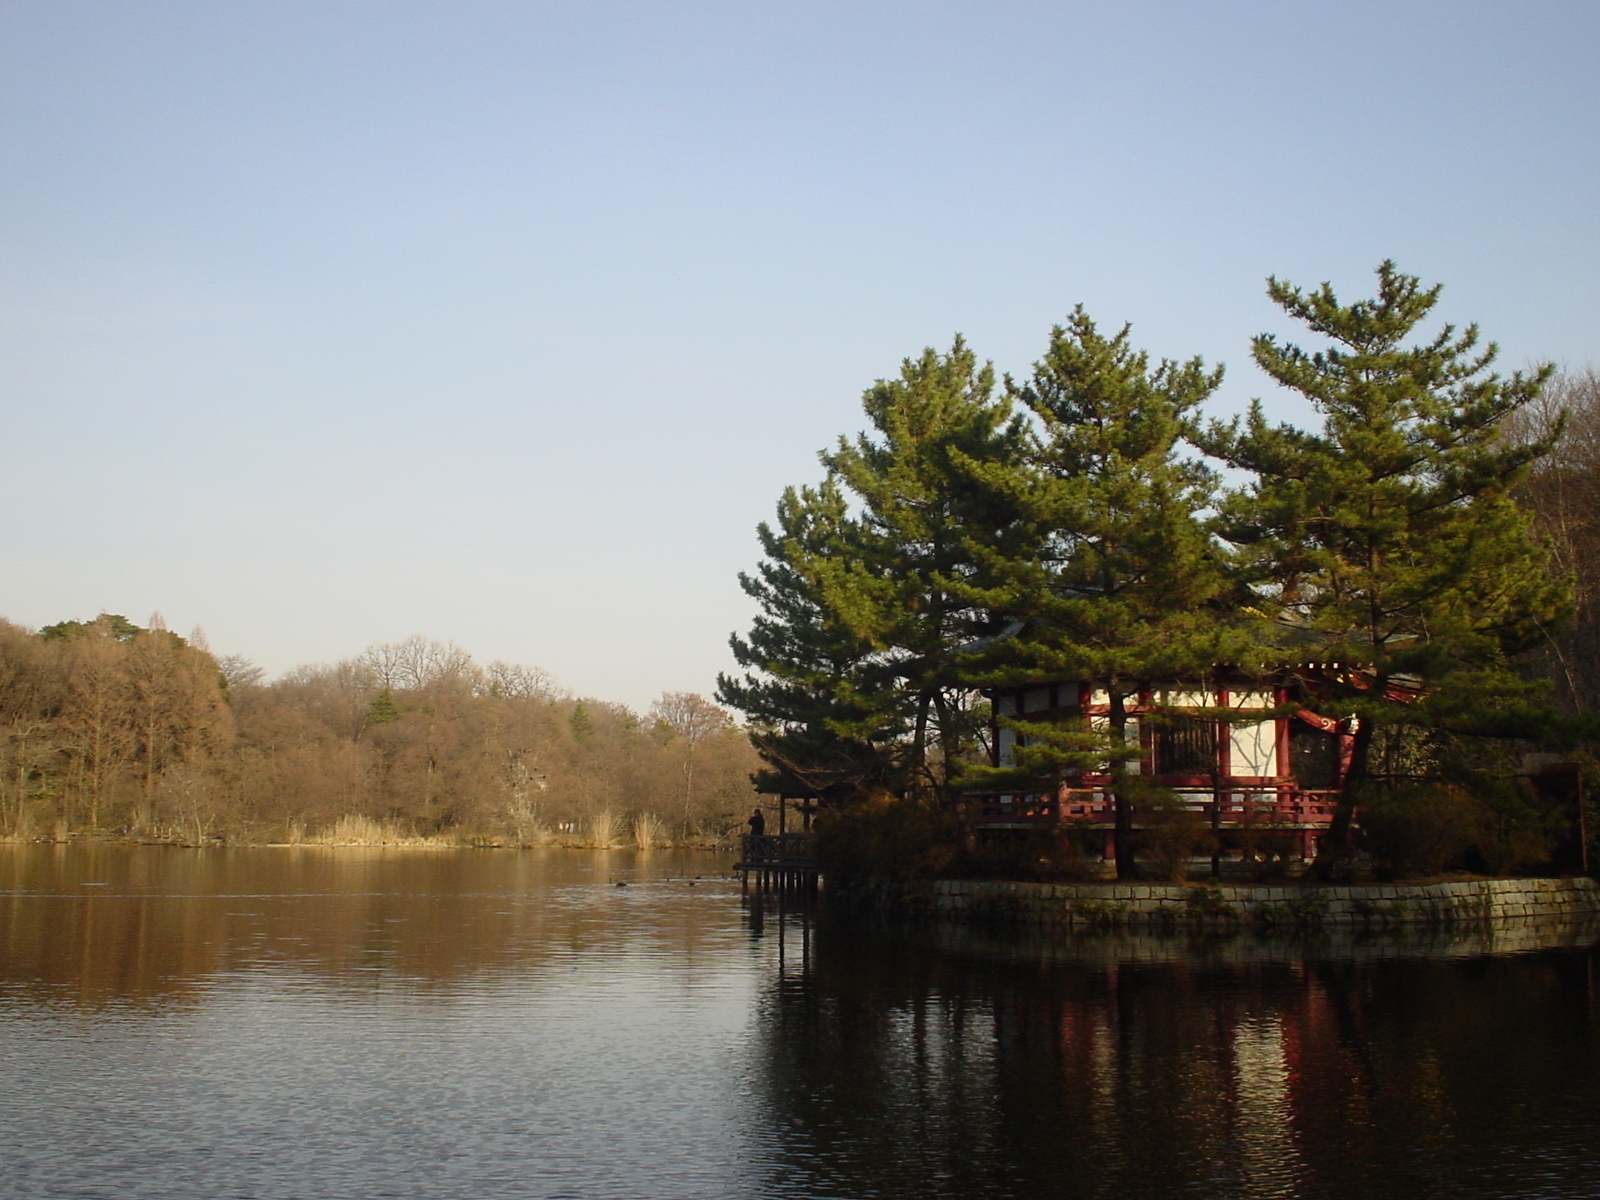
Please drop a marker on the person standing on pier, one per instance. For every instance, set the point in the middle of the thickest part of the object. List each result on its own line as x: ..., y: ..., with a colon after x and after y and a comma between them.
x: 757, y: 823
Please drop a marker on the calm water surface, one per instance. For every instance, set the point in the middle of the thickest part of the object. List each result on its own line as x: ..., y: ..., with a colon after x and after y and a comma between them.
x: 317, y: 1023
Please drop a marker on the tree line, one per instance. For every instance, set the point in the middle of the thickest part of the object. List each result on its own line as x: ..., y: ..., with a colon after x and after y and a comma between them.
x: 1434, y: 534
x: 110, y: 728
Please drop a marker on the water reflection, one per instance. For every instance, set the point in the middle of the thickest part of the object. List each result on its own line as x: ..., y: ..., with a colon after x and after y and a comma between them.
x: 99, y: 923
x: 330, y: 1023
x: 902, y: 1069
x: 333, y: 1023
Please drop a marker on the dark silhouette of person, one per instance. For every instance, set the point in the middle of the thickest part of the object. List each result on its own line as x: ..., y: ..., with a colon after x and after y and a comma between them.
x: 757, y: 823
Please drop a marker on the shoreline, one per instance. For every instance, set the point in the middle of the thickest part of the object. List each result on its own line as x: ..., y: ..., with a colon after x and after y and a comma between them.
x: 1242, y: 947
x: 394, y: 843
x: 1172, y: 906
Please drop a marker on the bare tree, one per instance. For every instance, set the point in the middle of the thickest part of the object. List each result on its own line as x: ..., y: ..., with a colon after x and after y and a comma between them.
x: 514, y: 681
x: 525, y: 787
x: 151, y: 665
x: 1564, y: 493
x: 31, y: 693
x: 102, y: 716
x: 339, y: 694
x: 689, y: 718
x: 238, y: 672
x: 95, y: 717
x: 418, y: 663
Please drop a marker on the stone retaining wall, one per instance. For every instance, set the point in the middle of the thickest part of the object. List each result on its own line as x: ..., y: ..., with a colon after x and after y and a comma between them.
x: 1298, y: 907
x: 1243, y: 945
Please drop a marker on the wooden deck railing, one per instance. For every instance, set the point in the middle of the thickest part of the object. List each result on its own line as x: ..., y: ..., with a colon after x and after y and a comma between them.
x: 776, y: 852
x: 1271, y: 803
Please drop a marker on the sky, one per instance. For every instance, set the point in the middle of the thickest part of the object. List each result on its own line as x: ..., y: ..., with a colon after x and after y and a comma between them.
x: 330, y: 323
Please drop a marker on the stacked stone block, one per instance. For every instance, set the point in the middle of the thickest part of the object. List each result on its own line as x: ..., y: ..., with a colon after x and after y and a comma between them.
x: 1294, y: 907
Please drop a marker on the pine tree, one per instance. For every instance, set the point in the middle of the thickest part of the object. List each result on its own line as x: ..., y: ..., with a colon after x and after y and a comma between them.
x: 1124, y: 585
x: 817, y: 721
x: 114, y: 625
x: 1389, y: 539
x: 580, y: 722
x: 383, y: 709
x: 912, y: 586
x: 867, y: 588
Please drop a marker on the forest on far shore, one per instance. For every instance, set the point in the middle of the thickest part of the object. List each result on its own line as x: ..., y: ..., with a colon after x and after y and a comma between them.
x: 116, y: 730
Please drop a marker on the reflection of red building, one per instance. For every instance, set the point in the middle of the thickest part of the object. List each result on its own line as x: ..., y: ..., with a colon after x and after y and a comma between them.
x: 1310, y: 1036
x: 1241, y: 752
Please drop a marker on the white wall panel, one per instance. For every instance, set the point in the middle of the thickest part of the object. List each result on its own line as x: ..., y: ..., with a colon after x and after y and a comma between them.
x: 1254, y: 749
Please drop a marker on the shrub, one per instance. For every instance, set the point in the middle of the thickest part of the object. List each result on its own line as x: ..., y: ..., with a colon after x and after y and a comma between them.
x: 1517, y: 830
x: 1420, y: 828
x: 1171, y: 834
x: 1478, y: 822
x: 1043, y: 854
x: 889, y: 838
x: 1266, y: 845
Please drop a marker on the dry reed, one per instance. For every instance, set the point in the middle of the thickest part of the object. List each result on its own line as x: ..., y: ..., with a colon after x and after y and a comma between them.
x: 649, y: 831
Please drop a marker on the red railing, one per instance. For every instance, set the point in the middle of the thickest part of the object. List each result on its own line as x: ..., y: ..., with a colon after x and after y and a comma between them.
x: 1276, y: 802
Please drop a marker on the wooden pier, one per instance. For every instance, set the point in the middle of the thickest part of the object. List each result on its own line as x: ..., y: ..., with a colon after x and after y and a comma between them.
x: 777, y: 860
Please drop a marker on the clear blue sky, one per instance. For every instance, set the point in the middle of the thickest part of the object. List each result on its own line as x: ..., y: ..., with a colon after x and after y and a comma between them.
x: 327, y: 323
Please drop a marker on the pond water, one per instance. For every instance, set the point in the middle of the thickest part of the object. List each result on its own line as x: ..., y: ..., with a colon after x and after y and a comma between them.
x: 314, y: 1022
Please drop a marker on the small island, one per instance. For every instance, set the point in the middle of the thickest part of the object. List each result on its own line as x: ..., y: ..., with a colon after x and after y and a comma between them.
x: 1030, y: 638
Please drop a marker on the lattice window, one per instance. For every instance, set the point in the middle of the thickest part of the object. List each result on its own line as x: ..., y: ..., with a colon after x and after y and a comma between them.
x: 1186, y: 746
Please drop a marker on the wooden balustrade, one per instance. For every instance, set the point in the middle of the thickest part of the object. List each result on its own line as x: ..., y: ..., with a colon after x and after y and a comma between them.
x: 780, y: 859
x: 1275, y: 803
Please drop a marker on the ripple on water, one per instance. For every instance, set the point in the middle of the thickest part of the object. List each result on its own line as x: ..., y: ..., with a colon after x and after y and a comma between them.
x: 503, y: 1024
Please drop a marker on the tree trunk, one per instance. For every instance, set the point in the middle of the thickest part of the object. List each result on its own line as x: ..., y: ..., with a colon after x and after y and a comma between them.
x: 688, y: 790
x: 949, y: 749
x: 1338, y: 848
x: 919, y: 747
x: 1123, y: 837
